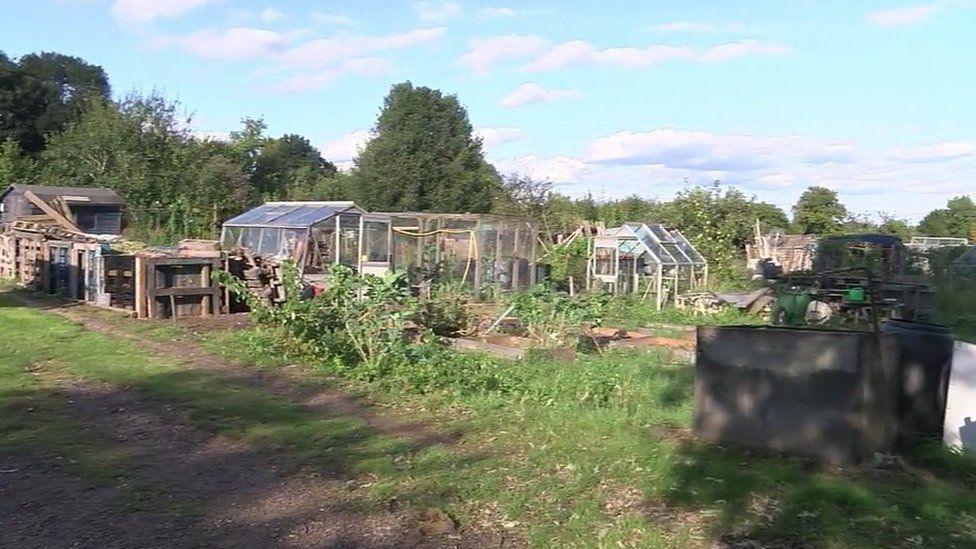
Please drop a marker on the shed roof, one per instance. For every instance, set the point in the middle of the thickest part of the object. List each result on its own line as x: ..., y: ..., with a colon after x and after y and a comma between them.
x: 291, y: 214
x: 94, y: 196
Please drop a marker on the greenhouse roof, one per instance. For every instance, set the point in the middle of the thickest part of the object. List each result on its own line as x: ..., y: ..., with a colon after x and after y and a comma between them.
x: 668, y: 247
x: 295, y: 215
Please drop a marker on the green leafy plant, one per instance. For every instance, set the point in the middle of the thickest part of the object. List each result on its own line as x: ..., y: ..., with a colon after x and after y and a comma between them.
x: 554, y: 319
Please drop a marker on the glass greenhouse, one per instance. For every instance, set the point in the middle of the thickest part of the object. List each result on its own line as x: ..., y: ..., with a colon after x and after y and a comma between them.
x: 488, y: 252
x: 649, y: 259
x: 314, y: 235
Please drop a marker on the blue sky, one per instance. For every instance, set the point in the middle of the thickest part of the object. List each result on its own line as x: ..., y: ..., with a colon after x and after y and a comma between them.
x: 876, y: 100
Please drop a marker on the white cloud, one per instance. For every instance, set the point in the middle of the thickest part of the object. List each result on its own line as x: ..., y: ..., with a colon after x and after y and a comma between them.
x: 530, y: 92
x: 946, y: 150
x: 345, y: 149
x: 307, y: 66
x: 744, y: 48
x: 556, y: 169
x: 497, y: 12
x: 656, y: 163
x: 581, y: 52
x: 144, y: 11
x: 442, y: 12
x: 703, y: 28
x: 310, y: 81
x: 906, y: 15
x: 325, y: 51
x: 234, y: 43
x: 485, y: 53
x: 687, y: 149
x: 335, y: 19
x: 493, y: 136
x: 270, y: 14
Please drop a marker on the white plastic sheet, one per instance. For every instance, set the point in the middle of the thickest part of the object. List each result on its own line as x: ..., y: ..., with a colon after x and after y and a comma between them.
x: 960, y: 416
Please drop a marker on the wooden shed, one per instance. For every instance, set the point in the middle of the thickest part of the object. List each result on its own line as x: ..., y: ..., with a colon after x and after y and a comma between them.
x: 93, y: 210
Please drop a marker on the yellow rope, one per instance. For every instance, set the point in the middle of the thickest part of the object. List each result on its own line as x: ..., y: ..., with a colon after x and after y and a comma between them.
x: 472, y: 243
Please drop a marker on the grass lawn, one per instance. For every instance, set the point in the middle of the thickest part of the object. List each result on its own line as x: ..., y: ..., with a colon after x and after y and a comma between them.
x: 590, y: 453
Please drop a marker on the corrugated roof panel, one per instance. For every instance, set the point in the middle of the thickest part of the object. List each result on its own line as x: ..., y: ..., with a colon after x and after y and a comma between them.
x: 287, y: 214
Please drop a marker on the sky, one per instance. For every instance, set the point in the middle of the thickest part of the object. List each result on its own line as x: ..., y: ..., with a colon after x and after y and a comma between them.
x: 875, y: 100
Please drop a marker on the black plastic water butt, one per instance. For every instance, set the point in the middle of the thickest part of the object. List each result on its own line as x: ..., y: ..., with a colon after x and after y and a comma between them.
x: 926, y: 359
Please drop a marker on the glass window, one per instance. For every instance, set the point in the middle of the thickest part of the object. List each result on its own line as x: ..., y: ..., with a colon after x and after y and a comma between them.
x: 251, y: 238
x: 231, y: 237
x: 292, y: 244
x: 604, y: 261
x: 270, y: 242
x: 377, y: 241
x: 321, y: 251
x: 349, y: 240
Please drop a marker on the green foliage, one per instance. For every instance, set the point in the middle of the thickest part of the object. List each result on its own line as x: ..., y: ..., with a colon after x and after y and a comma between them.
x: 553, y: 318
x: 42, y: 93
x: 424, y: 157
x: 720, y: 225
x: 14, y: 165
x: 445, y: 311
x: 818, y: 211
x: 358, y: 321
x: 567, y: 261
x: 957, y: 219
x: 631, y: 312
x: 895, y: 227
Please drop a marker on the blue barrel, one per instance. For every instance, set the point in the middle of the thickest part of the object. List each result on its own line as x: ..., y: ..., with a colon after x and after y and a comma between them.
x: 926, y: 358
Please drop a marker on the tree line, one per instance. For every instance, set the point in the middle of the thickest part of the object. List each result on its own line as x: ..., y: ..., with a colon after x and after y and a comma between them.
x: 59, y: 125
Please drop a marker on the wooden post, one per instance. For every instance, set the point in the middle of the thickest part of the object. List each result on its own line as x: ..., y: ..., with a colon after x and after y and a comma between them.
x: 515, y: 263
x: 139, y: 285
x: 532, y: 264
x: 149, y: 268
x: 206, y: 301
x: 74, y: 266
x: 616, y: 271
x: 659, y: 282
x: 478, y: 274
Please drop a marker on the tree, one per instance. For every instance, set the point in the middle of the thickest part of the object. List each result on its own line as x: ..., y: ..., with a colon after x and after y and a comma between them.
x: 286, y: 162
x: 278, y: 167
x: 41, y: 93
x: 15, y: 167
x: 897, y: 227
x: 424, y: 157
x: 818, y: 211
x: 957, y: 219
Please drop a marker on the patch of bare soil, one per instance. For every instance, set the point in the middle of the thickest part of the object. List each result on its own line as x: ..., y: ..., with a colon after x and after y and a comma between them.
x: 42, y: 505
x: 237, y: 496
x: 289, y: 382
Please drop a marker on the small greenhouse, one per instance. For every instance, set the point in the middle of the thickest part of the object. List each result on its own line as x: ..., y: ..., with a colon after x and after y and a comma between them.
x: 648, y: 259
x: 314, y: 235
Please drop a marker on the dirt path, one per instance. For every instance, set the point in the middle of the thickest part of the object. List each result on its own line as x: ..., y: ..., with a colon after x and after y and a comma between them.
x: 229, y: 494
x: 287, y: 382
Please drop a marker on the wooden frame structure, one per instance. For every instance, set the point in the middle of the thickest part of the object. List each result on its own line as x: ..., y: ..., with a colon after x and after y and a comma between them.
x: 489, y: 252
x: 176, y: 287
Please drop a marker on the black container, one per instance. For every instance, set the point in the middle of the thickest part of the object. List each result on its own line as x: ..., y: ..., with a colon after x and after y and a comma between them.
x: 926, y: 359
x: 832, y: 395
